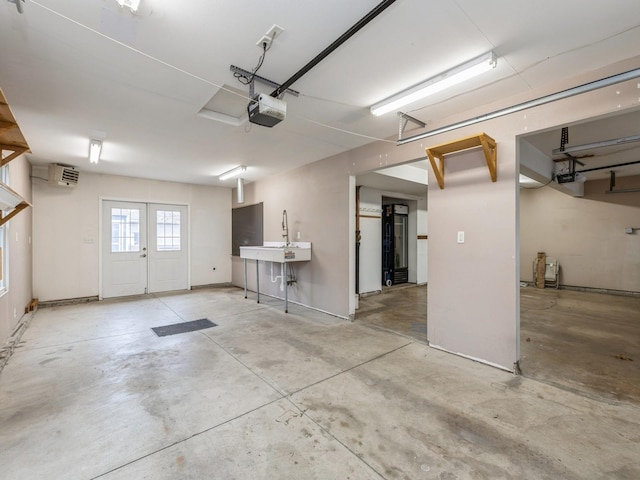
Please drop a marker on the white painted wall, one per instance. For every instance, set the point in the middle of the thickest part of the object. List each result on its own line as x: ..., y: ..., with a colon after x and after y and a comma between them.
x: 19, y: 293
x: 66, y: 230
x: 371, y: 240
x: 472, y: 299
x: 318, y: 203
x: 586, y: 234
x: 423, y: 244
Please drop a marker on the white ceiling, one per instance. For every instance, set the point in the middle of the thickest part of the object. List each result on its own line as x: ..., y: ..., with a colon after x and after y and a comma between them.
x: 73, y: 69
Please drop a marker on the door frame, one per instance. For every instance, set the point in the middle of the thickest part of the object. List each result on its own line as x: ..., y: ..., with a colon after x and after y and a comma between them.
x: 102, y: 199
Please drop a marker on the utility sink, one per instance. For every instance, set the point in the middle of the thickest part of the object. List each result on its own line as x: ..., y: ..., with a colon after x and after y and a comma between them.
x: 278, y: 252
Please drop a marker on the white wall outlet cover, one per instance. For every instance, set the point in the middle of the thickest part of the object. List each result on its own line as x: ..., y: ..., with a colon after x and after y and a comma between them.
x: 460, y: 237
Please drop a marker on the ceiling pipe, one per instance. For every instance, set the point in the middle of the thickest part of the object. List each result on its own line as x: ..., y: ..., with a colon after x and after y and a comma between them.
x: 343, y: 38
x: 554, y: 97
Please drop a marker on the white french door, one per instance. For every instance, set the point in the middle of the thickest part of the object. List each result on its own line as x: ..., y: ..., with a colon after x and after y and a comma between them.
x: 168, y: 255
x: 144, y: 248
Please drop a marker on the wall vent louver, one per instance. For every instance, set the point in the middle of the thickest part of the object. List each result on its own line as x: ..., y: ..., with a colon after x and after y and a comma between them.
x: 63, y: 175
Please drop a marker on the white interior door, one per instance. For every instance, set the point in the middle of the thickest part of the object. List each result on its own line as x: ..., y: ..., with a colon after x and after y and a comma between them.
x: 168, y: 248
x: 124, y: 249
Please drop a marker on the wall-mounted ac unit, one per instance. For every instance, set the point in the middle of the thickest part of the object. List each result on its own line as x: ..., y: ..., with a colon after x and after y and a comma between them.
x: 63, y: 175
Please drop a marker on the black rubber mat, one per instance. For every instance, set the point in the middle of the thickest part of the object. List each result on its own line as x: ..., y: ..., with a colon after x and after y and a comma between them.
x: 183, y: 327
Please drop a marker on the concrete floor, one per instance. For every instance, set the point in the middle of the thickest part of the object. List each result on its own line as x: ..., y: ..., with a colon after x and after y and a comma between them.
x: 584, y: 342
x: 93, y: 393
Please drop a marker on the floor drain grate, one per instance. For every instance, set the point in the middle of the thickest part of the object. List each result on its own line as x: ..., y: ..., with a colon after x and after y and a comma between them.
x: 183, y: 327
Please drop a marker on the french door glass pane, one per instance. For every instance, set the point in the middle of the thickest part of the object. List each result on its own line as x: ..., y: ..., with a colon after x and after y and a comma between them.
x: 168, y: 230
x: 125, y: 230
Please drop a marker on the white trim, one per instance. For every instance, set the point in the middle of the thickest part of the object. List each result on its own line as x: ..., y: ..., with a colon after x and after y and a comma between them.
x: 353, y: 299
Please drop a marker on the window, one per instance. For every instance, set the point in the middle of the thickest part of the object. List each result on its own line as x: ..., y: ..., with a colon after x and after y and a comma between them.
x: 168, y: 230
x: 125, y: 230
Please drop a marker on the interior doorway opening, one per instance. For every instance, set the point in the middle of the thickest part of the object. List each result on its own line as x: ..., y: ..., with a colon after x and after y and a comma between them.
x: 583, y: 335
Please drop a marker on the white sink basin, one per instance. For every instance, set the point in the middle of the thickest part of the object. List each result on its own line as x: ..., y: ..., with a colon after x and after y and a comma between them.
x: 277, y: 252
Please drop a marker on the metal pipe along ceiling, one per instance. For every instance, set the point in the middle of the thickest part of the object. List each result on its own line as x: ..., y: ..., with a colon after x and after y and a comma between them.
x: 343, y: 38
x: 554, y: 97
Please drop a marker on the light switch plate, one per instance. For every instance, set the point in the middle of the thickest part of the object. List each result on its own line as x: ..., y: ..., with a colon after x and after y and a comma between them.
x: 460, y: 237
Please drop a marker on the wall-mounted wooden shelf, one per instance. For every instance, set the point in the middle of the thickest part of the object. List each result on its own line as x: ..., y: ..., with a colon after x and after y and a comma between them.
x: 483, y: 140
x: 10, y: 202
x: 11, y: 139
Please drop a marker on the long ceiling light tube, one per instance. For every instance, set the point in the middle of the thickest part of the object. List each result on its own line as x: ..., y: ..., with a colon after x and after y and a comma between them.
x: 433, y: 85
x: 554, y: 97
x: 233, y: 172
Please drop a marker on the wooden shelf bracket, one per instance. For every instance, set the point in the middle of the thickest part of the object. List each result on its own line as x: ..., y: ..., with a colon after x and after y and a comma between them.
x: 483, y: 140
x: 18, y: 208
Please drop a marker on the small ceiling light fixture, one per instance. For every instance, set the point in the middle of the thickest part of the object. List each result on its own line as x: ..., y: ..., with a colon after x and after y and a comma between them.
x: 447, y: 79
x: 95, y: 148
x: 233, y: 172
x: 130, y: 4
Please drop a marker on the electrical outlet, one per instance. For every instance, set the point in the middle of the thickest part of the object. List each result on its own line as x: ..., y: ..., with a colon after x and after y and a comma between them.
x: 274, y: 32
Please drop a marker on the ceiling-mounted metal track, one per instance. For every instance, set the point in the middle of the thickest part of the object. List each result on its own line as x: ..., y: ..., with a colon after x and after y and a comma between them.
x: 554, y: 97
x: 259, y: 78
x: 341, y: 39
x: 608, y: 166
x: 590, y: 146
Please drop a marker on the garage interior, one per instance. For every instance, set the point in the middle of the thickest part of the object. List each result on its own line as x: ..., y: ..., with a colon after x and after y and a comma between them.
x: 138, y: 339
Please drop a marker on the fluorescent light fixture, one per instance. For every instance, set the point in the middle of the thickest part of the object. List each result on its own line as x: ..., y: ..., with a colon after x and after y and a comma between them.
x: 447, y: 79
x: 131, y: 4
x: 95, y: 147
x: 233, y: 172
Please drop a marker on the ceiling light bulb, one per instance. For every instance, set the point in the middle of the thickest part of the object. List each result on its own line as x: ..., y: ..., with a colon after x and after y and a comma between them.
x: 436, y: 84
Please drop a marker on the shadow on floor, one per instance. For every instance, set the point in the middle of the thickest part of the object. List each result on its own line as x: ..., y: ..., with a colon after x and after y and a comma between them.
x: 588, y: 343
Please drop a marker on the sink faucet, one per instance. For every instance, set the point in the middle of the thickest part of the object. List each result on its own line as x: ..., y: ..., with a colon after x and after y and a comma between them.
x: 285, y: 228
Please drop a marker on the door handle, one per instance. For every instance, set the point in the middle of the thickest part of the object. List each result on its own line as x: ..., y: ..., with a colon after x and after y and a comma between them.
x: 143, y: 255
